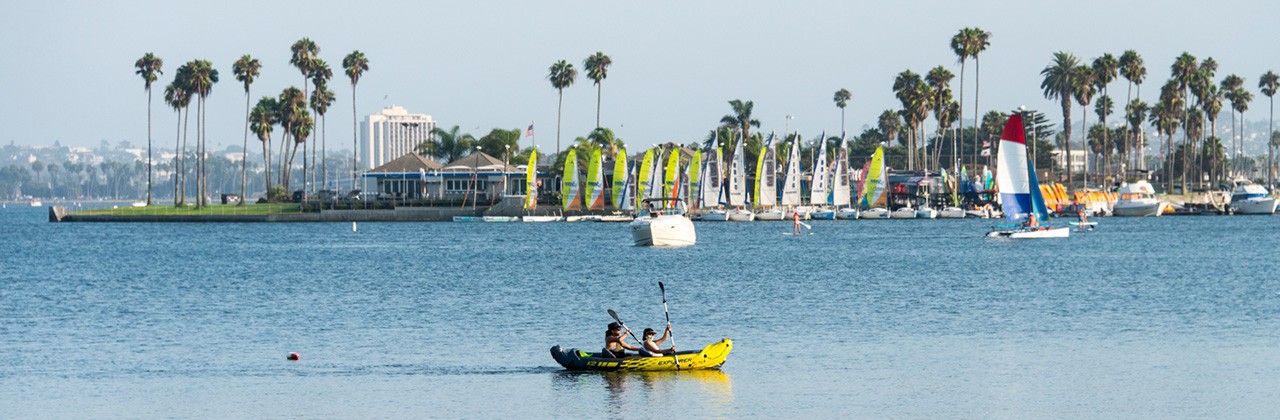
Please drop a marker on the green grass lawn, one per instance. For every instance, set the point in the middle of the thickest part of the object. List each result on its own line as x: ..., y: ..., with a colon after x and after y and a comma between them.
x: 209, y: 210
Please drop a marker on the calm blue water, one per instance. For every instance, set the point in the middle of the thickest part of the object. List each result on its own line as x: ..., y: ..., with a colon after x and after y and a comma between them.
x: 1169, y: 317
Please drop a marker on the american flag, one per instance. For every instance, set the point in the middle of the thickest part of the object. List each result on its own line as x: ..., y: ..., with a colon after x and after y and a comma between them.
x: 529, y: 131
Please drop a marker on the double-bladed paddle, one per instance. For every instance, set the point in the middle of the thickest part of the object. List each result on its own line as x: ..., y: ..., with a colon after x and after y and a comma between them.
x: 667, y: 312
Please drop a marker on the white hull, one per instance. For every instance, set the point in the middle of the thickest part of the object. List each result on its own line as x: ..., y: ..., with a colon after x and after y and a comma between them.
x: 904, y: 213
x: 771, y: 214
x: 951, y: 213
x: 715, y: 216
x: 848, y: 213
x: 616, y: 218
x: 981, y: 214
x: 587, y: 218
x: 926, y: 213
x: 1255, y: 206
x: 1031, y: 234
x: 1137, y: 208
x: 825, y: 214
x: 665, y: 230
x: 874, y: 213
x: 540, y: 219
x: 741, y: 216
x: 501, y: 219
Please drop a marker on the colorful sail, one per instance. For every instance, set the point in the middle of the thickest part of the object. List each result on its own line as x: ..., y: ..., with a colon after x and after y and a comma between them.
x: 531, y: 182
x: 840, y: 179
x: 1037, y: 197
x: 656, y: 189
x: 737, y: 191
x: 595, y: 181
x: 818, y: 188
x: 570, y: 195
x: 874, y: 180
x: 672, y: 173
x: 693, y: 175
x: 619, y: 177
x: 791, y: 183
x: 629, y: 189
x: 1012, y: 171
x: 643, y: 179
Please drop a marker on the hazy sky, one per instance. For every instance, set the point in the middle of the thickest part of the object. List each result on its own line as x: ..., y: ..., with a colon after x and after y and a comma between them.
x: 68, y: 72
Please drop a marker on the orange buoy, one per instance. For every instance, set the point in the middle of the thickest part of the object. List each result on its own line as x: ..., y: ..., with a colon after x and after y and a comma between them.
x: 294, y: 356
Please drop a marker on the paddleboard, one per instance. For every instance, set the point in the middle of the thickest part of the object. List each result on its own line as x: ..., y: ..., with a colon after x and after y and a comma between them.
x: 794, y: 234
x: 1085, y: 224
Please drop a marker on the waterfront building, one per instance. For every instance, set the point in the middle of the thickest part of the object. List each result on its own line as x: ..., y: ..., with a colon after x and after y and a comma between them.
x: 475, y: 178
x: 391, y: 133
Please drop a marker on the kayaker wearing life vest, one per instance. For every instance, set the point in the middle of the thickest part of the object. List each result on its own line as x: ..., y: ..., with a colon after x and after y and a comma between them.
x: 614, y: 341
x: 651, y: 346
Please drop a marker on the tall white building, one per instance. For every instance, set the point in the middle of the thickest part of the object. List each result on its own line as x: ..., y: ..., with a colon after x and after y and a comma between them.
x: 390, y: 134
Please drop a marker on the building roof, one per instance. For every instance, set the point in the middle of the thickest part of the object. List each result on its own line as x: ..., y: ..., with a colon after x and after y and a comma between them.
x: 478, y: 161
x: 409, y: 163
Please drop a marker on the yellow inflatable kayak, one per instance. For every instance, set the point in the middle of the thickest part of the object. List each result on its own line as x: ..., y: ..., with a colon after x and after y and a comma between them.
x: 710, y: 357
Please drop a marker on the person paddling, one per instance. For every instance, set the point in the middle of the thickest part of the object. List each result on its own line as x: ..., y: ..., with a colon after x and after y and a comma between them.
x: 795, y: 227
x: 615, y: 344
x: 651, y: 346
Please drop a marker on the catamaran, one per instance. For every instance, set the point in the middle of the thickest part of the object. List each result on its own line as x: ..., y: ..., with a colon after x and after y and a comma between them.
x: 791, y: 181
x: 531, y: 192
x: 841, y: 187
x: 819, y: 194
x: 1020, y: 195
x: 766, y: 196
x: 873, y: 202
x: 737, y: 191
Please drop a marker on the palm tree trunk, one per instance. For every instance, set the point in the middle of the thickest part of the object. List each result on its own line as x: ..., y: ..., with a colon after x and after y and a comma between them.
x: 1066, y: 136
x: 977, y: 114
x: 186, y: 119
x: 559, y: 107
x: 1270, y: 156
x: 355, y: 134
x: 598, y: 87
x: 148, y: 145
x: 244, y: 152
x: 324, y: 146
x: 177, y: 142
x: 266, y: 167
x: 960, y: 119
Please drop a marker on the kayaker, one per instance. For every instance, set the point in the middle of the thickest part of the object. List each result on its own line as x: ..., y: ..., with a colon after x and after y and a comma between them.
x: 651, y: 346
x: 615, y: 344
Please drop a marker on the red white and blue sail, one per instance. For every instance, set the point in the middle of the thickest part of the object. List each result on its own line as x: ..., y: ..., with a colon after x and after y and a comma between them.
x: 1013, y: 176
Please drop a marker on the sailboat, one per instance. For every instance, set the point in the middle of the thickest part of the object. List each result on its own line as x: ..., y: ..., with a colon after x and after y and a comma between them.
x: 570, y: 194
x: 1020, y: 195
x: 737, y: 191
x: 710, y: 192
x: 624, y: 189
x: 531, y: 192
x: 819, y: 196
x: 767, y: 185
x: 840, y: 185
x: 595, y: 182
x: 873, y: 202
x: 791, y: 181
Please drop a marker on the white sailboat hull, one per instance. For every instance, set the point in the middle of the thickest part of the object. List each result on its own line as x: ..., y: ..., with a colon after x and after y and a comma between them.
x: 847, y: 213
x: 874, y: 213
x: 715, y: 216
x: 823, y: 214
x: 1041, y: 233
x: 664, y: 230
x: 926, y: 213
x: 951, y: 213
x: 904, y: 213
x: 741, y: 216
x: 539, y: 219
x: 616, y: 218
x: 771, y: 214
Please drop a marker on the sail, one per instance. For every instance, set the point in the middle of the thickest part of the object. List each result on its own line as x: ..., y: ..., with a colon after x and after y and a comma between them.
x: 767, y: 177
x: 595, y: 181
x: 669, y: 186
x: 628, y: 189
x: 791, y: 183
x: 711, y: 181
x: 642, y: 179
x: 818, y: 188
x: 738, y: 176
x: 619, y: 177
x: 570, y: 197
x: 840, y: 179
x: 1012, y: 171
x: 874, y: 180
x: 531, y: 182
x: 1037, y: 197
x: 692, y: 175
x: 656, y: 189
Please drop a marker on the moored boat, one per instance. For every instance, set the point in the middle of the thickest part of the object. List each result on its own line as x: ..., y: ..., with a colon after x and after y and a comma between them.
x: 1138, y: 199
x: 874, y: 213
x: 951, y: 213
x: 710, y: 357
x: 1250, y: 198
x: 847, y: 213
x: 663, y: 226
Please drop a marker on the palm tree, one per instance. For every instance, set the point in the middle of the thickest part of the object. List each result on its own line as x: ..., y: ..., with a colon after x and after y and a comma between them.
x: 960, y: 46
x: 1184, y: 69
x: 321, y: 99
x: 977, y: 42
x: 1102, y: 108
x: 1231, y: 86
x: 177, y: 97
x: 939, y: 80
x: 842, y: 98
x: 320, y: 76
x: 449, y: 145
x: 1167, y: 116
x: 889, y: 123
x: 1105, y: 69
x: 597, y: 67
x: 204, y: 77
x: 562, y: 75
x: 262, y: 120
x: 1135, y: 114
x: 149, y: 67
x: 605, y: 138
x: 1241, y: 104
x: 740, y: 120
x: 1134, y: 71
x: 1211, y: 105
x: 1084, y: 90
x: 355, y: 64
x: 1268, y: 84
x: 291, y: 112
x: 1060, y: 80
x: 246, y: 69
x: 916, y: 99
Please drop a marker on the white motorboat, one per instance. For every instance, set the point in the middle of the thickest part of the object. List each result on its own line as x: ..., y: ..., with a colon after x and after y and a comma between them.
x: 904, y: 213
x: 874, y: 213
x: 741, y: 215
x: 770, y: 214
x: 1250, y: 198
x: 716, y: 215
x: 952, y: 213
x: 926, y: 212
x: 539, y: 219
x: 666, y: 226
x: 847, y: 213
x: 1138, y: 199
x: 37, y: 203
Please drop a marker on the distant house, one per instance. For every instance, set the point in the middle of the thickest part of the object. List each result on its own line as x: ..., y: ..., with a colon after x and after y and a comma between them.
x: 477, y: 176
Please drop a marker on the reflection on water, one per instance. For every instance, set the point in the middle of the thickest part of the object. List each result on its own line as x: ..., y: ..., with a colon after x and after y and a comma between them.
x: 625, y: 392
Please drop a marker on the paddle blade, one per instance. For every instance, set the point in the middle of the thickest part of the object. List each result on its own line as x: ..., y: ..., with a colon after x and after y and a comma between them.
x: 615, y: 316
